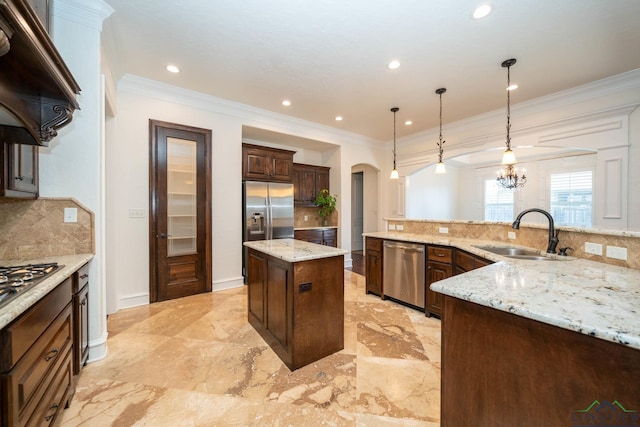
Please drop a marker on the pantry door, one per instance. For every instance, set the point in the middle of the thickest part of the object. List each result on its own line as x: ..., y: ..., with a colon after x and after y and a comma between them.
x: 180, y: 211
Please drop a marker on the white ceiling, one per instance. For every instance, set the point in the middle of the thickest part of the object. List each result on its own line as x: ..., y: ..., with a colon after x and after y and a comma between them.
x: 329, y: 57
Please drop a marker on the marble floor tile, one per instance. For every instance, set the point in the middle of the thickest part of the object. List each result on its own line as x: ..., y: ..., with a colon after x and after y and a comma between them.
x: 196, y: 361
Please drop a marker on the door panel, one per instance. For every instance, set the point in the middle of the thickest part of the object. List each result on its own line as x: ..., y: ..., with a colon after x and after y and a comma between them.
x: 180, y: 219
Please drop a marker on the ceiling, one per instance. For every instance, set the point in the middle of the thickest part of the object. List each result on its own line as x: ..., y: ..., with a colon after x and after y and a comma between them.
x: 329, y: 57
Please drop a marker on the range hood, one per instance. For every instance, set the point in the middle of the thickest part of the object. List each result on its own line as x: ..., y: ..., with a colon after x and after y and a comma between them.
x: 37, y: 90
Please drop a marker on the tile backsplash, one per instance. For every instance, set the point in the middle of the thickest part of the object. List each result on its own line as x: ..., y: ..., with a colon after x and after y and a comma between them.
x: 313, y: 219
x: 533, y: 236
x: 36, y: 228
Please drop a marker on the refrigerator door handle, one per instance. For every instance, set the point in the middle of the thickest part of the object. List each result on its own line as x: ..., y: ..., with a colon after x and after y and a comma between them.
x: 268, y: 232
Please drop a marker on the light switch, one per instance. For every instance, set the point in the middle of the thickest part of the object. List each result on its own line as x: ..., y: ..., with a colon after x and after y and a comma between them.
x: 70, y: 214
x: 136, y: 213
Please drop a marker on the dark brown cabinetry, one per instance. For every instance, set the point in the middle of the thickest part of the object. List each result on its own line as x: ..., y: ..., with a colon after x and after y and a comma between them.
x: 19, y: 170
x: 266, y: 164
x: 37, y: 362
x: 320, y: 236
x: 80, y: 318
x: 288, y: 301
x: 439, y: 266
x: 467, y: 262
x: 308, y: 180
x: 373, y: 266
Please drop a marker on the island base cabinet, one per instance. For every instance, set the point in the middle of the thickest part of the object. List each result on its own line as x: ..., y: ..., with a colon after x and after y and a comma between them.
x: 297, y: 308
x: 500, y: 369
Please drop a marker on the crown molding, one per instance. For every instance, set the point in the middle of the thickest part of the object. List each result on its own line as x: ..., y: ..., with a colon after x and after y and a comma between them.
x: 90, y: 13
x: 249, y: 115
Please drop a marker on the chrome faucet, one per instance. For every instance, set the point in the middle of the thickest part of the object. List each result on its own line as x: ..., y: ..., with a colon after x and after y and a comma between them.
x: 553, y: 233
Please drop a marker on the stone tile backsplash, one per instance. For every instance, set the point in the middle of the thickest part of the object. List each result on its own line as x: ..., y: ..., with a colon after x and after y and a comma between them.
x: 36, y: 228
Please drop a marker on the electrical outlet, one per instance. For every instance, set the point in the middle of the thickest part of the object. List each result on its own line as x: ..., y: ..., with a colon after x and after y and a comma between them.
x: 399, y: 227
x: 70, y: 214
x: 392, y: 226
x: 511, y: 235
x: 593, y: 248
x: 306, y: 218
x: 443, y: 230
x: 617, y: 252
x: 136, y: 213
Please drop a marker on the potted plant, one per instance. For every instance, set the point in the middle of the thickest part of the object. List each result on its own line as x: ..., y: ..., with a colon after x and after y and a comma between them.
x: 326, y: 204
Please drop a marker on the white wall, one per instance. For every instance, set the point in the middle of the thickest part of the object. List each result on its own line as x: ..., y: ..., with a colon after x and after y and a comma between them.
x: 432, y: 196
x: 72, y: 165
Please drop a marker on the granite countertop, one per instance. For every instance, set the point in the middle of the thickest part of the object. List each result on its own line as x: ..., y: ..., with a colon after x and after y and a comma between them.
x: 291, y: 250
x: 588, y: 297
x: 28, y: 298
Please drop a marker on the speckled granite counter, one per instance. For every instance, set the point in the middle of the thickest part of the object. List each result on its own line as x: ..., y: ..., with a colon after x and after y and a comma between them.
x: 291, y: 250
x: 26, y: 299
x: 588, y: 297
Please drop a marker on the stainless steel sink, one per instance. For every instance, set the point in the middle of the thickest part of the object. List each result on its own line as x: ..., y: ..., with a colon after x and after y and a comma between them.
x: 516, y: 253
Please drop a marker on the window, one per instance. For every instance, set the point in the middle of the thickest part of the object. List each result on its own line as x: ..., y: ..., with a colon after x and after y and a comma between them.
x: 571, y: 198
x: 498, y: 202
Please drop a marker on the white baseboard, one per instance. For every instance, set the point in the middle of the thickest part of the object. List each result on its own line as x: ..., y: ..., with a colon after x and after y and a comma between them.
x: 134, y: 300
x: 235, y: 282
x: 348, y: 262
x: 98, y: 348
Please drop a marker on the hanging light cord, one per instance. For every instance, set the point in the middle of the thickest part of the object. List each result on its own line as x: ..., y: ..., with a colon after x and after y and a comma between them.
x: 508, y: 107
x: 441, y: 143
x: 395, y: 110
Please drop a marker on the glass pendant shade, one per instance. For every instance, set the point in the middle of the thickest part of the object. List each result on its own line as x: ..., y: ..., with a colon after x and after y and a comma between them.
x: 394, y: 174
x: 440, y: 168
x: 509, y: 157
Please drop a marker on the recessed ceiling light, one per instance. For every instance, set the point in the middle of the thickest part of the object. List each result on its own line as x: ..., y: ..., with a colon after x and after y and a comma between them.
x: 173, y: 69
x: 512, y: 87
x: 394, y: 64
x: 338, y: 118
x: 482, y: 11
x: 286, y: 102
x: 408, y: 123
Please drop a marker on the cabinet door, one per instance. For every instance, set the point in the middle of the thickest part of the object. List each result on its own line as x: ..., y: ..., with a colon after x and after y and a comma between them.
x: 256, y: 286
x: 278, y: 301
x: 281, y: 167
x: 81, y: 329
x: 322, y: 179
x: 256, y: 164
x: 330, y: 237
x: 435, y: 300
x: 373, y: 272
x: 307, y: 186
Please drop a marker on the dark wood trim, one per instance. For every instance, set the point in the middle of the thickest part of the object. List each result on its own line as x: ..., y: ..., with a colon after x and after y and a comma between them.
x: 154, y: 126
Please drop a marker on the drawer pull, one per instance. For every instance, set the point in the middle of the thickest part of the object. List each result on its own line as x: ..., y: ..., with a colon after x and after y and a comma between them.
x: 84, y: 276
x: 51, y: 354
x: 439, y: 254
x: 55, y: 409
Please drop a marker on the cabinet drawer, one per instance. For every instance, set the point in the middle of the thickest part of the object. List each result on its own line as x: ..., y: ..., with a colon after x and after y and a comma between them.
x: 27, y: 381
x: 312, y: 236
x: 438, y: 254
x: 22, y: 333
x: 374, y: 244
x: 55, y: 397
x: 81, y: 278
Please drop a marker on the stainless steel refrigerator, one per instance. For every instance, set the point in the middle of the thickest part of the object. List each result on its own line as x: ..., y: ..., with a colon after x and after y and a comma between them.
x: 267, y: 212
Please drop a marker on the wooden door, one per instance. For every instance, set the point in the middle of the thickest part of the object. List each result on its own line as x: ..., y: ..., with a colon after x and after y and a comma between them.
x: 180, y: 211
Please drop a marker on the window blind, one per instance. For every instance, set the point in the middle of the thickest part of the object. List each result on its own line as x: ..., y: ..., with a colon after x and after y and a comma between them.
x: 498, y: 202
x: 571, y: 198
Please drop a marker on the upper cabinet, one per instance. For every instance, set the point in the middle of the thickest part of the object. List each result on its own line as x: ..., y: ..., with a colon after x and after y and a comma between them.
x: 308, y: 180
x: 37, y: 90
x: 18, y: 170
x: 266, y: 164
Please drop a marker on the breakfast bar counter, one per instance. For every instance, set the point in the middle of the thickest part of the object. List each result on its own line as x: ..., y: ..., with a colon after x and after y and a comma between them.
x: 296, y: 298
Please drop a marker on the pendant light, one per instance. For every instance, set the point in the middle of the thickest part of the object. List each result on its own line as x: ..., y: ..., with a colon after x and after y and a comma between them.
x: 440, y: 168
x: 508, y: 177
x: 394, y: 172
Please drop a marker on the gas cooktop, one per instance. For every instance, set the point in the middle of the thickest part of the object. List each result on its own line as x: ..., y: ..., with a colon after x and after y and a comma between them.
x: 17, y: 279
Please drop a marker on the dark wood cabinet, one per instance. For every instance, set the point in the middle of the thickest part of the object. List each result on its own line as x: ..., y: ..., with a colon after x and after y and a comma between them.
x: 37, y: 362
x: 308, y: 180
x: 266, y: 164
x: 80, y: 318
x: 467, y: 262
x: 287, y: 302
x: 439, y: 267
x: 320, y: 236
x: 373, y: 266
x: 19, y: 170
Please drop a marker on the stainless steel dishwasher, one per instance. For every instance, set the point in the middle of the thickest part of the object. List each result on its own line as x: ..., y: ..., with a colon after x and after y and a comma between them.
x: 404, y: 272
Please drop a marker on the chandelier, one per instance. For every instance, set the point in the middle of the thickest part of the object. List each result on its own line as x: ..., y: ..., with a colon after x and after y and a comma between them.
x: 508, y: 177
x: 394, y: 172
x: 440, y: 168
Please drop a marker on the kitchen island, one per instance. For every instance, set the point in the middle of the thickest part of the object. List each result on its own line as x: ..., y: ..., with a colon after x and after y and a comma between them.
x: 296, y: 298
x: 533, y: 343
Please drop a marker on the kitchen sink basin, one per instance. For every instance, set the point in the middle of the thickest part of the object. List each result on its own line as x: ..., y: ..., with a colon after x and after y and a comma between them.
x: 516, y: 253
